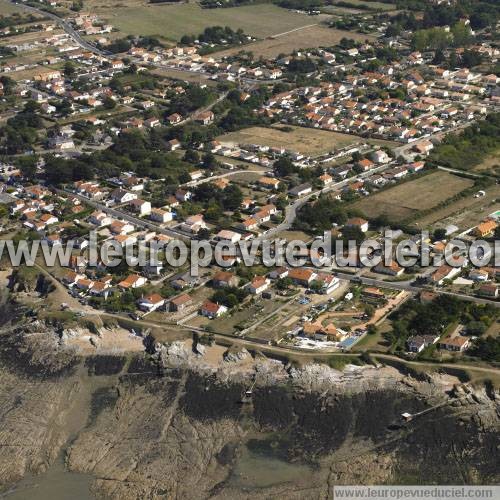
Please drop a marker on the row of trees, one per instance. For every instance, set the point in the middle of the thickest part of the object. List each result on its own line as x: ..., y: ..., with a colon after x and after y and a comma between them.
x: 217, y: 35
x: 469, y: 147
x: 436, y: 38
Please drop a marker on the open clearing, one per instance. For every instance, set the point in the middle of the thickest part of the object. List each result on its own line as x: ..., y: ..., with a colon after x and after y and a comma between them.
x: 400, y: 202
x: 491, y: 164
x: 7, y: 8
x: 309, y: 141
x: 464, y: 213
x: 306, y: 38
x: 137, y: 17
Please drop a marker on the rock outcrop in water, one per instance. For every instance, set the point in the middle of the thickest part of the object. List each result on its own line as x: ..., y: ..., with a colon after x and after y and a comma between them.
x: 173, y: 426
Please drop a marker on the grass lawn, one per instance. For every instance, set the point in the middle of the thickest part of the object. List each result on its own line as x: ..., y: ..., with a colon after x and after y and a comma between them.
x: 307, y: 141
x: 405, y: 200
x: 306, y: 38
x: 7, y: 8
x: 172, y: 21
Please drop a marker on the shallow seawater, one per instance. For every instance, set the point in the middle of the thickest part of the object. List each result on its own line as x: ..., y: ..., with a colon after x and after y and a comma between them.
x: 57, y: 483
x: 259, y: 469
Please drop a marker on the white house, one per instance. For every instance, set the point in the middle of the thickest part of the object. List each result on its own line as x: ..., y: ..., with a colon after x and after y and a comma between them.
x: 141, y: 207
x: 227, y: 235
x: 380, y: 156
x: 358, y: 222
x: 212, y: 310
x: 132, y: 281
x: 100, y: 219
x: 161, y: 216
x: 122, y: 196
x: 151, y: 302
x: 258, y: 285
x: 194, y: 223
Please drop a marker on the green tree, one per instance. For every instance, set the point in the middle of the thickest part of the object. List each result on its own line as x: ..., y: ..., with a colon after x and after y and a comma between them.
x: 69, y: 69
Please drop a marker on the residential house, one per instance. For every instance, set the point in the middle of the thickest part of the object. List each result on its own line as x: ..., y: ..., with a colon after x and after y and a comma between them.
x: 212, y: 310
x: 488, y: 290
x: 486, y: 228
x: 224, y: 279
x: 100, y: 219
x: 194, y: 224
x: 132, y: 281
x: 479, y: 275
x: 423, y: 147
x: 302, y: 276
x: 300, y: 190
x: 315, y: 330
x: 268, y: 182
x: 206, y: 117
x: 249, y: 224
x: 180, y: 302
x: 227, y: 235
x: 393, y: 269
x: 122, y: 196
x: 442, y: 273
x: 183, y: 195
x: 161, y: 216
x: 141, y: 207
x: 196, y: 174
x: 326, y: 179
x: 328, y: 283
x: 456, y: 344
x: 174, y: 118
x: 358, y: 222
x: 380, y: 157
x: 365, y: 164
x: 173, y: 145
x: 417, y: 343
x: 151, y: 302
x: 121, y: 227
x: 279, y: 273
x: 258, y: 285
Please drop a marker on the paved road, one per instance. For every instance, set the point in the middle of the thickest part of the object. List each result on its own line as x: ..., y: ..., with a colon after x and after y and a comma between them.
x: 66, y: 27
x: 254, y: 343
x: 291, y: 209
x: 406, y: 285
x: 456, y: 171
x: 459, y: 366
x: 145, y: 224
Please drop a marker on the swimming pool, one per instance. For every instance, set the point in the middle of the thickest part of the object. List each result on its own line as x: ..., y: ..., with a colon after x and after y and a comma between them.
x: 349, y: 342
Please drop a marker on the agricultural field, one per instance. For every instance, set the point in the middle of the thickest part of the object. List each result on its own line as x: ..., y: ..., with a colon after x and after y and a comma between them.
x: 136, y: 17
x: 302, y: 38
x: 464, y: 213
x: 405, y: 200
x: 308, y: 141
x: 7, y: 8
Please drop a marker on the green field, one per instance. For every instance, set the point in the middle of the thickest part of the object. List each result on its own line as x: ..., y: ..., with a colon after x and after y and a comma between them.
x: 405, y: 200
x: 7, y: 8
x: 173, y: 21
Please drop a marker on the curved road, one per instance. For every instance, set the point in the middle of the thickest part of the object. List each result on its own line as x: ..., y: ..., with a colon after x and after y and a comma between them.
x: 65, y: 26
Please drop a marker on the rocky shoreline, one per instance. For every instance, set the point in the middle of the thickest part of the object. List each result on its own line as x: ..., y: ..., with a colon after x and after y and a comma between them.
x: 171, y: 424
